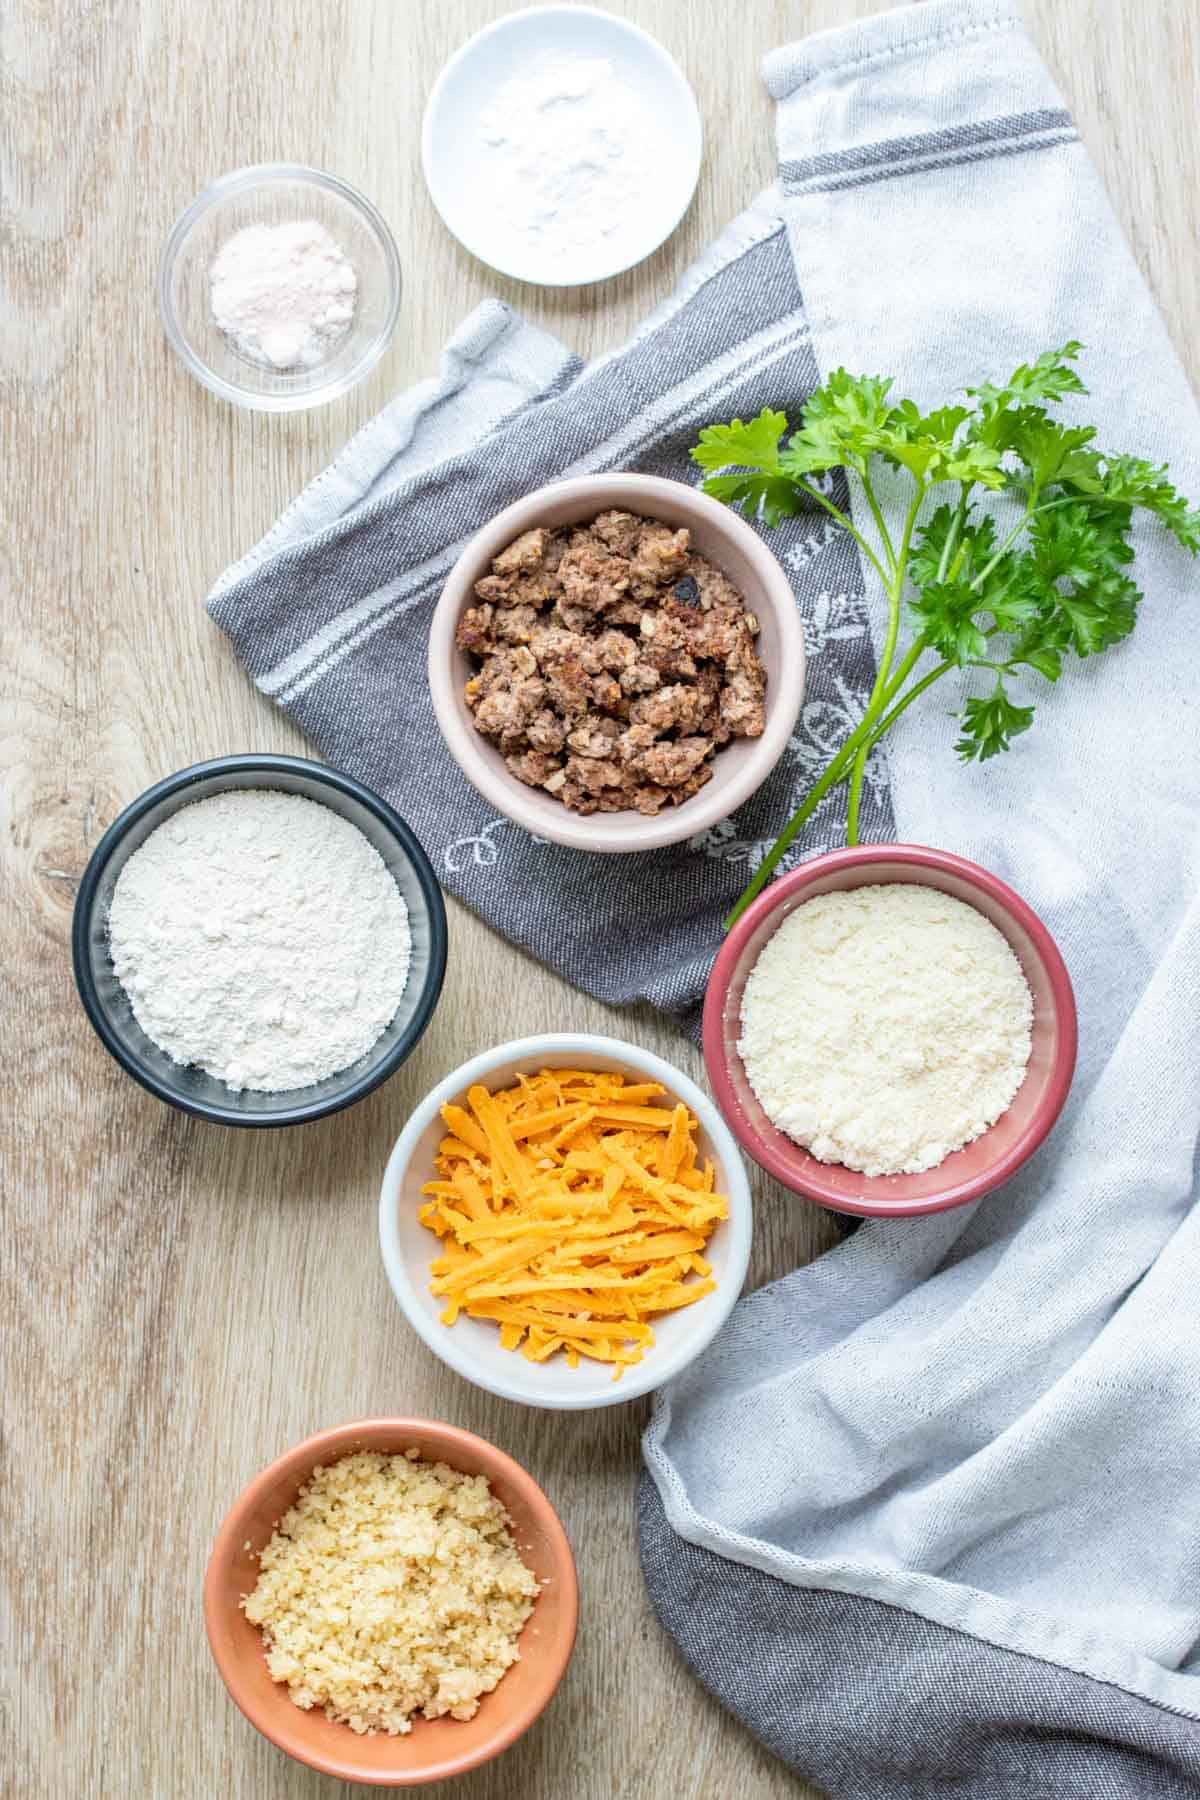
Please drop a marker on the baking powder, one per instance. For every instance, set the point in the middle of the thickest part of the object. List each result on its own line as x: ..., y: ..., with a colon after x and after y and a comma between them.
x: 563, y: 149
x: 885, y: 1026
x: 260, y: 937
x: 285, y: 294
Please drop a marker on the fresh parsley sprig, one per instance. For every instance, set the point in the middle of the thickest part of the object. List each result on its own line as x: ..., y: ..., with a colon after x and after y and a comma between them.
x: 1013, y: 592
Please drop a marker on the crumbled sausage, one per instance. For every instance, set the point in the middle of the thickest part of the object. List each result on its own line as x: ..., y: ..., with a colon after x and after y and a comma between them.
x: 590, y: 576
x: 660, y: 558
x: 515, y: 624
x: 569, y: 686
x: 618, y: 531
x: 593, y: 774
x: 669, y: 763
x: 639, y: 677
x: 506, y: 694
x: 679, y: 707
x: 494, y: 587
x: 533, y: 767
x: 595, y: 738
x: 625, y: 612
x: 671, y: 664
x: 613, y: 663
x: 546, y: 730
x: 474, y: 633
x: 616, y: 652
x: 550, y: 643
x: 525, y: 552
x: 743, y: 710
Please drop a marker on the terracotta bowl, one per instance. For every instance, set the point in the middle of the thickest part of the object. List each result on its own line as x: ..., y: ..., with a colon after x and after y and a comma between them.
x: 738, y: 768
x: 998, y: 1152
x: 435, y: 1748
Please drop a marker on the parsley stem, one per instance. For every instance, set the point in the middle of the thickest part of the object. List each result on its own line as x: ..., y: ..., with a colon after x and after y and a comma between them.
x: 889, y: 718
x: 856, y: 781
x: 835, y: 772
x: 846, y: 759
x: 837, y: 513
x: 906, y: 540
x: 895, y: 590
x: 861, y: 742
x: 877, y: 515
x: 1005, y: 547
x: 952, y: 536
x: 913, y: 656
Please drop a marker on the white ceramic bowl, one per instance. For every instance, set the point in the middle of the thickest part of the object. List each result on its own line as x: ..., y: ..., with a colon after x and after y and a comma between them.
x: 472, y: 1346
x: 276, y: 194
x: 458, y: 164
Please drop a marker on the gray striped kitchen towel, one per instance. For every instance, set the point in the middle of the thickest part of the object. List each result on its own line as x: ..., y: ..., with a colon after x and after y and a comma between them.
x: 926, y: 1516
x: 330, y: 613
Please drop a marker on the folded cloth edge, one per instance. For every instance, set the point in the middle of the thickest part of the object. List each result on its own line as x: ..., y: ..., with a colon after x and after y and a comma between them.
x: 882, y: 37
x: 493, y: 340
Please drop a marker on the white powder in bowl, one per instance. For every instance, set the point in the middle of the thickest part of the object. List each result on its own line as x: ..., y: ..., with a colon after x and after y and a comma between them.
x: 284, y: 294
x: 567, y: 153
x: 884, y: 1027
x: 260, y: 937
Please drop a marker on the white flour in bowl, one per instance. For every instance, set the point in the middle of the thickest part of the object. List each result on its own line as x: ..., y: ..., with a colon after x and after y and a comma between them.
x: 565, y: 149
x: 260, y: 937
x: 285, y: 294
x: 885, y: 1026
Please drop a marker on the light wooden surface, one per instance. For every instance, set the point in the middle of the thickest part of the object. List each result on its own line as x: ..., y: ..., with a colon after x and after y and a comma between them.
x: 181, y: 1302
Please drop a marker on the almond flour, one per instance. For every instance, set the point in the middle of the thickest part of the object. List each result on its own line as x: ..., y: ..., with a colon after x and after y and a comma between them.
x: 885, y: 1027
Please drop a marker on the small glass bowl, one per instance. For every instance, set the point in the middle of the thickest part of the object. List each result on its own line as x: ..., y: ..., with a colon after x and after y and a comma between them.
x: 277, y: 194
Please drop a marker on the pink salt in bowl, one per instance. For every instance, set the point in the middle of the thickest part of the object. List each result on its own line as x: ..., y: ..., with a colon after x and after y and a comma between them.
x: 966, y: 1174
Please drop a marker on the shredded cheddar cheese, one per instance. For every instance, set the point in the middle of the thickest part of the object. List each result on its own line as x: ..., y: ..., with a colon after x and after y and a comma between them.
x: 571, y: 1210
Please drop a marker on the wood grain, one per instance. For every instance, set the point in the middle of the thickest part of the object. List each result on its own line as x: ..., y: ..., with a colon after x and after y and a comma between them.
x: 179, y: 1302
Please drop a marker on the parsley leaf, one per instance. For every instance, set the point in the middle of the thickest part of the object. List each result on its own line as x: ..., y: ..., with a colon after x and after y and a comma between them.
x: 1131, y: 481
x: 989, y: 725
x: 1043, y: 445
x: 1049, y: 378
x: 943, y: 613
x: 745, y: 446
x: 1023, y: 567
x: 771, y: 497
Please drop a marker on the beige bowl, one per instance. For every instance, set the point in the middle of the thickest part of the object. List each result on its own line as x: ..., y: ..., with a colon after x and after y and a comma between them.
x: 738, y: 768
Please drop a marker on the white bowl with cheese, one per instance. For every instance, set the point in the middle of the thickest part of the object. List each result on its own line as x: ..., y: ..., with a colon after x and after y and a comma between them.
x: 472, y: 1346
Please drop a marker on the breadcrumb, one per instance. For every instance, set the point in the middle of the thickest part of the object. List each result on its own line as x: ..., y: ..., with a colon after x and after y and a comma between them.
x: 392, y: 1586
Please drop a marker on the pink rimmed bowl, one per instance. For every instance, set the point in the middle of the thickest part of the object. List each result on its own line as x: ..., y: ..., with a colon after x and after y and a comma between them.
x: 980, y: 1166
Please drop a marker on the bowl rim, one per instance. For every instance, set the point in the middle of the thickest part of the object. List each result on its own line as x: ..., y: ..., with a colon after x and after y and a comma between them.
x: 437, y: 93
x: 862, y: 856
x: 710, y: 1313
x: 721, y: 796
x: 256, y: 763
x: 330, y: 1444
x: 236, y: 181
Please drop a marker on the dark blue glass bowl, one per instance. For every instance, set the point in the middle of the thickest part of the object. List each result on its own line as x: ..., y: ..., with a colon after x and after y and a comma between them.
x: 107, y: 1005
